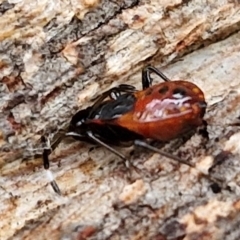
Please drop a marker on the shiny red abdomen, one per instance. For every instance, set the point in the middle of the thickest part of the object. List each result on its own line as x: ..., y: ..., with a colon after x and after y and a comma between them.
x: 165, y: 111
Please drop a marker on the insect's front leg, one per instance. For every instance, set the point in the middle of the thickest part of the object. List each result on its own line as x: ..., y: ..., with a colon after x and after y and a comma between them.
x: 47, y: 149
x: 146, y: 78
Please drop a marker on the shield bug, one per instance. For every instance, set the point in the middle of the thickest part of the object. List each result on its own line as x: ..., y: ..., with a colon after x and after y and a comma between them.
x: 121, y: 115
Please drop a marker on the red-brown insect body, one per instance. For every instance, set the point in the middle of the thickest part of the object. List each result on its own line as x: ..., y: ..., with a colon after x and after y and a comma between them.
x: 162, y: 112
x: 122, y: 114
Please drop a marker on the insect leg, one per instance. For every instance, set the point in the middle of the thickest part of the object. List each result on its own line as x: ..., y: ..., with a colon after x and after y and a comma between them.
x: 113, y: 94
x: 95, y: 139
x: 148, y: 146
x: 116, y: 92
x: 46, y: 152
x: 125, y: 88
x: 126, y: 161
x: 146, y: 78
x: 203, y: 131
x: 213, y: 179
x: 101, y: 143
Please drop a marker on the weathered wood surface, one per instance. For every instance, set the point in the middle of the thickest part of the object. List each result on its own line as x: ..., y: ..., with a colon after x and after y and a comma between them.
x: 55, y: 56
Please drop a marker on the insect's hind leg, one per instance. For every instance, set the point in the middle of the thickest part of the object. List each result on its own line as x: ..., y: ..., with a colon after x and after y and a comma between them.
x: 214, y: 180
x: 168, y: 155
x: 203, y: 131
x: 146, y: 78
x: 45, y: 156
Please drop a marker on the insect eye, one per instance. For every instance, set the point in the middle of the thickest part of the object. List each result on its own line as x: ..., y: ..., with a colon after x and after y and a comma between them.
x: 163, y: 90
x: 179, y: 92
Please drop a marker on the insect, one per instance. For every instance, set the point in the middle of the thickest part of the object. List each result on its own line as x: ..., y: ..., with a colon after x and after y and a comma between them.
x: 121, y: 115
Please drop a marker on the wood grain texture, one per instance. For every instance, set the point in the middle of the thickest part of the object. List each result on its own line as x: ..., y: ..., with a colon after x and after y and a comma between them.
x: 55, y: 57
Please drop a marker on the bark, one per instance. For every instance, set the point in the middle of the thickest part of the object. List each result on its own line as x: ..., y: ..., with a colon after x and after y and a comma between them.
x: 55, y: 58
